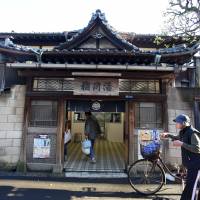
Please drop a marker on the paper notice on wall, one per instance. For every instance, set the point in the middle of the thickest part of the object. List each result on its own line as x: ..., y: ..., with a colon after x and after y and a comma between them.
x: 41, y: 148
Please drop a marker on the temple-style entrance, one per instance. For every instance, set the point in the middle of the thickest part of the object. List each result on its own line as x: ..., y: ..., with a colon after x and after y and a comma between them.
x: 109, y: 145
x: 123, y: 79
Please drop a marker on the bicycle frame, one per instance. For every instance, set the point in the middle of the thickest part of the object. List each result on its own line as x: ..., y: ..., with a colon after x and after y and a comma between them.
x: 166, y: 169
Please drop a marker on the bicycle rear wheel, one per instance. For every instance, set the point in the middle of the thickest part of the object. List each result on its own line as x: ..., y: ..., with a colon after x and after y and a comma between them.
x: 146, y: 177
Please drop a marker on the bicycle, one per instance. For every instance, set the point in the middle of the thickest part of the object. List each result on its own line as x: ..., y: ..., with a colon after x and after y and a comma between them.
x: 148, y: 175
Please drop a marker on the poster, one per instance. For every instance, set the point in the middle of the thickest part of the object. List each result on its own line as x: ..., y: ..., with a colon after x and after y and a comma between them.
x: 41, y: 147
x: 145, y: 135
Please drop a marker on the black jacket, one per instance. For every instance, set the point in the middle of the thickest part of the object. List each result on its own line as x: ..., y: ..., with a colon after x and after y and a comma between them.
x: 190, y: 149
x: 92, y: 127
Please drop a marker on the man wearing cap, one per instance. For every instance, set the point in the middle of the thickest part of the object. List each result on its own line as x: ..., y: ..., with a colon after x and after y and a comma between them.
x: 189, y: 141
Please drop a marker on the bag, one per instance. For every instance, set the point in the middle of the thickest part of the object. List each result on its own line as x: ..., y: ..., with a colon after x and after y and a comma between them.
x: 68, y: 136
x: 150, y: 150
x: 86, y: 144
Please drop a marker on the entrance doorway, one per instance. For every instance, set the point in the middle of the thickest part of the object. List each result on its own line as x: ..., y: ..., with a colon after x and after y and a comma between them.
x: 109, y: 145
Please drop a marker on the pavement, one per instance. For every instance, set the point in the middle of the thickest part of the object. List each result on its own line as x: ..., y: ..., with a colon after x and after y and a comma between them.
x: 68, y: 188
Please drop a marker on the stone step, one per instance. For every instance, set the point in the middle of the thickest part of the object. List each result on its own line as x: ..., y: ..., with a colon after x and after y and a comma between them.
x: 96, y: 174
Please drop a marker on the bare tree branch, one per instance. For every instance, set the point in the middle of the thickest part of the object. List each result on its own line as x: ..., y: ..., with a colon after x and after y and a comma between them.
x: 183, y: 17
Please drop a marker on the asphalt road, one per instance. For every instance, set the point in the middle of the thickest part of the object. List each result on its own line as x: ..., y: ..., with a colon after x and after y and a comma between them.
x: 25, y: 188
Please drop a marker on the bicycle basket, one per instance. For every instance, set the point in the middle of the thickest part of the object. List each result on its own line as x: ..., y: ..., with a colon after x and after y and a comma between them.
x: 150, y: 150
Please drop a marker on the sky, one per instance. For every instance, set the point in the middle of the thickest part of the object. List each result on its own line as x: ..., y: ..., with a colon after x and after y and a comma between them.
x: 138, y: 16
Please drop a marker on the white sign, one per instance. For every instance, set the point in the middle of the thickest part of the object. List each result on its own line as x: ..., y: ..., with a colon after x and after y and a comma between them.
x: 96, y: 105
x: 109, y: 87
x: 41, y: 147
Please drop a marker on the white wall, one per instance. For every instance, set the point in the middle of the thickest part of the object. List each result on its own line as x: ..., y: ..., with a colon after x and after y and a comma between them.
x: 115, y: 131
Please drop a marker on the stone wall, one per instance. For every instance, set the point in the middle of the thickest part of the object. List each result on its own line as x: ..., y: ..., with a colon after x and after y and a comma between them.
x: 179, y: 101
x: 11, y: 123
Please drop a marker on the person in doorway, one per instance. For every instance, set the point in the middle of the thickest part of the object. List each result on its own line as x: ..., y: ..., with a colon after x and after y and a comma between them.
x: 92, y: 129
x: 189, y: 141
x: 67, y: 137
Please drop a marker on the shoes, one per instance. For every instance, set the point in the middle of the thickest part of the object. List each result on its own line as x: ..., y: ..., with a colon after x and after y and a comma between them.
x: 169, y: 177
x: 93, y: 161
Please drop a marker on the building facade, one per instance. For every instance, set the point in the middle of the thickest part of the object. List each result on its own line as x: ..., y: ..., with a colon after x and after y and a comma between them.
x: 132, y: 86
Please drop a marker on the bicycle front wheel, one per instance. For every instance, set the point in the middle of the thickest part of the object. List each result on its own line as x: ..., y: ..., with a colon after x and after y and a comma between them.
x: 146, y: 176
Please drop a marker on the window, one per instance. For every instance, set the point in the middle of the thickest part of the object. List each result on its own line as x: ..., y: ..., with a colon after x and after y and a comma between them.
x: 148, y: 115
x: 53, y: 84
x: 113, y: 117
x: 70, y: 84
x: 43, y: 114
x: 79, y: 117
x: 139, y: 86
x: 185, y: 83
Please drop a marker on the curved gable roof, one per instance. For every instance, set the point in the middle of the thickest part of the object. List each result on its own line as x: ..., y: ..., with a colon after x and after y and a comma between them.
x: 97, y: 29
